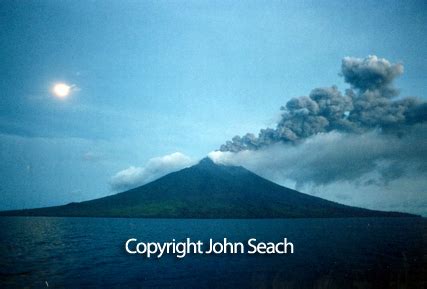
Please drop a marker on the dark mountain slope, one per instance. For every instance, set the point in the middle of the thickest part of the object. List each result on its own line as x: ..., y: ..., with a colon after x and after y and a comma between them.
x: 208, y: 190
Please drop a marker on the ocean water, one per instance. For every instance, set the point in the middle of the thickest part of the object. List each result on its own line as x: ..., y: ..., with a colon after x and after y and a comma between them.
x: 39, y: 252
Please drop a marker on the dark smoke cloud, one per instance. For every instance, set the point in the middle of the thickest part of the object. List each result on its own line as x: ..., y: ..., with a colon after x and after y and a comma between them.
x: 371, y: 73
x: 363, y: 147
x: 370, y: 103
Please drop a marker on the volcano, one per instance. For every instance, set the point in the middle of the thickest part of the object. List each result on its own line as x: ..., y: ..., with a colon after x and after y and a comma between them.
x: 208, y: 190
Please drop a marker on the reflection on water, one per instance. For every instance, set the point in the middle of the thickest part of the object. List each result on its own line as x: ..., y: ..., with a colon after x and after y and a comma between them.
x: 329, y: 253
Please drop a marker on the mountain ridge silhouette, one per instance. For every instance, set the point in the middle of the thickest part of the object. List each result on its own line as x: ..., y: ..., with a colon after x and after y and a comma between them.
x: 208, y: 190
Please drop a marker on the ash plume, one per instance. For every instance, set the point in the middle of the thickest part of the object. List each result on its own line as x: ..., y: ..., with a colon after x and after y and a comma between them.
x: 366, y: 146
x: 370, y: 103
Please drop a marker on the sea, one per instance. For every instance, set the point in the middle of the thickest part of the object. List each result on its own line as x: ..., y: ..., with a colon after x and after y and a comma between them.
x: 53, y: 252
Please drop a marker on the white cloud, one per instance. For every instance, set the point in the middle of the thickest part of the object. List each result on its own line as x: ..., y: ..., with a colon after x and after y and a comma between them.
x: 371, y: 170
x: 153, y: 169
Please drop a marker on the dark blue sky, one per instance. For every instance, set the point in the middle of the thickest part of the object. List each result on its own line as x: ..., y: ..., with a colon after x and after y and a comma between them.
x: 151, y: 78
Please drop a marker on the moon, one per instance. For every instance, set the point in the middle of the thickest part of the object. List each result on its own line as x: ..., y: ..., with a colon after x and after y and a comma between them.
x: 61, y: 90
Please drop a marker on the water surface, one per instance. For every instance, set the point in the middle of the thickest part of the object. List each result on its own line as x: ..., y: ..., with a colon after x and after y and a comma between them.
x: 37, y: 252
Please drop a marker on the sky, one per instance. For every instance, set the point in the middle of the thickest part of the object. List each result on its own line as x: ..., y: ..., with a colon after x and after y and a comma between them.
x: 158, y: 85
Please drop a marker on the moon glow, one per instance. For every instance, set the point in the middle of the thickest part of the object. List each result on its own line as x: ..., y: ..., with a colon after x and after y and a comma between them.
x: 61, y: 90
